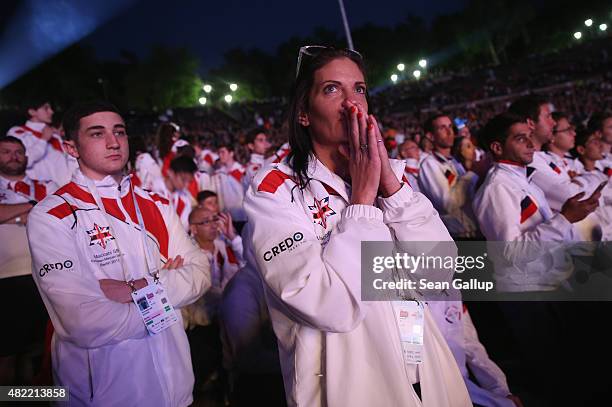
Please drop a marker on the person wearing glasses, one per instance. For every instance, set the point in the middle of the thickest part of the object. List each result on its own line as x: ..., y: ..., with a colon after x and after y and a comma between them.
x: 215, y: 236
x: 307, y: 218
x: 563, y: 140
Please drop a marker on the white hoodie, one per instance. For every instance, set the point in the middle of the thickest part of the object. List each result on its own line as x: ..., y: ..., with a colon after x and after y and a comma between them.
x: 101, y: 348
x: 335, y: 349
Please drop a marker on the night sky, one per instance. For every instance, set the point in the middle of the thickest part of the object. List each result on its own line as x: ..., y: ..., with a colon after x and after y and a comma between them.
x: 32, y: 31
x: 210, y: 28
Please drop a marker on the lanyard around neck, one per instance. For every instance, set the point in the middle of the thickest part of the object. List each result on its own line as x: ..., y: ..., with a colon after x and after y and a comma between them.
x: 152, y: 270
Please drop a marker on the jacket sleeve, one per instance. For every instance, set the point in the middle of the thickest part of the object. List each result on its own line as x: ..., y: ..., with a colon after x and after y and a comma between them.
x: 499, y: 215
x: 188, y: 283
x: 320, y: 286
x: 488, y: 375
x: 557, y: 189
x: 80, y: 312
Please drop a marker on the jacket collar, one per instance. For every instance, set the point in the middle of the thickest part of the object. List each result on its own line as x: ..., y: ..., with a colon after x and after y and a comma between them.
x: 512, y: 167
x: 257, y: 159
x: 107, y: 187
x: 36, y: 126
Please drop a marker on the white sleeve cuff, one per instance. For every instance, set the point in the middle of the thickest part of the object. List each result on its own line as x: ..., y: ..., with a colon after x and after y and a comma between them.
x: 400, y: 198
x: 362, y: 211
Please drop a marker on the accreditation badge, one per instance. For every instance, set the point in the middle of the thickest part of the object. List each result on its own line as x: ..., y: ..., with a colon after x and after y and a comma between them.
x: 155, y: 309
x: 410, y: 320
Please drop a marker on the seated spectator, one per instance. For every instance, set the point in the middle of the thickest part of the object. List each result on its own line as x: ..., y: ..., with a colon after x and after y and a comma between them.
x: 442, y: 179
x: 18, y: 195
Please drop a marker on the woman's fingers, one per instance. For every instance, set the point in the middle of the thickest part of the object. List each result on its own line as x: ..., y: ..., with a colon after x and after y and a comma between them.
x: 353, y: 127
x: 362, y: 120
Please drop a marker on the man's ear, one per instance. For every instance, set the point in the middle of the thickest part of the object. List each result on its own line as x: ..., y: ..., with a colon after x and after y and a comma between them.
x: 303, y: 119
x: 496, y: 149
x: 580, y: 150
x: 531, y: 124
x: 71, y: 149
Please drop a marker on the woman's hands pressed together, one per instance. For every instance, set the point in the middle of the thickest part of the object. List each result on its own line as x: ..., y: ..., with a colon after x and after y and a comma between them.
x: 368, y: 161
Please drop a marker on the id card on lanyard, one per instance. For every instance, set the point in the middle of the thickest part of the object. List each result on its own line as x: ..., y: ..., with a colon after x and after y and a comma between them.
x: 410, y: 321
x: 155, y: 309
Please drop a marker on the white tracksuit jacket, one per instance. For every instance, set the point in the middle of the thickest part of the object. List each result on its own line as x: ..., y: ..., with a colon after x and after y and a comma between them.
x: 336, y: 350
x: 101, y: 348
x: 556, y: 185
x: 511, y: 209
x: 149, y: 173
x: 47, y: 160
x: 411, y: 172
x: 450, y: 190
x: 227, y: 183
x: 14, y: 253
x: 491, y: 387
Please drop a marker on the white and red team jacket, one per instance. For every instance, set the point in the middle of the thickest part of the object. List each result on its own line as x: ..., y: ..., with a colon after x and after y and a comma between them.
x: 281, y: 153
x: 491, y: 387
x: 256, y: 162
x: 564, y: 166
x: 335, y: 349
x: 227, y: 183
x: 15, y: 257
x: 225, y: 261
x: 556, y: 184
x: 411, y: 172
x: 598, y: 224
x: 527, y: 237
x: 450, y: 189
x: 46, y: 159
x: 101, y: 349
x: 206, y: 161
x: 149, y: 173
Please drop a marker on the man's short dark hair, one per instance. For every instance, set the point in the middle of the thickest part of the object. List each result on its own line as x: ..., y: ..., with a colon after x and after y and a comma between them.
x: 183, y: 164
x: 528, y: 106
x: 429, y: 123
x: 498, y: 129
x: 204, y: 195
x: 11, y: 139
x: 251, y: 135
x: 596, y: 121
x: 227, y: 146
x: 33, y: 102
x: 73, y: 115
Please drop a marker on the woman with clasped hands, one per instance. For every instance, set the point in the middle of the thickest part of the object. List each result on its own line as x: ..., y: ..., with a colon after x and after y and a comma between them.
x: 307, y: 218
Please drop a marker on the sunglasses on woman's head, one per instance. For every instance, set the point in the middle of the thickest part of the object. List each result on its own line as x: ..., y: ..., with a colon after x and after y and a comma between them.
x: 314, y: 50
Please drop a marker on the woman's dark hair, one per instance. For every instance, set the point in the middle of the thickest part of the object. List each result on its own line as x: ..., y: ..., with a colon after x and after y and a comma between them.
x: 299, y: 137
x: 456, y: 149
x: 165, y: 132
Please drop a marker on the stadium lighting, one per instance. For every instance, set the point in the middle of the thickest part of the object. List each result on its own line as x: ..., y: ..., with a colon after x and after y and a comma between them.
x: 228, y: 98
x: 207, y: 88
x: 603, y: 27
x: 588, y: 22
x: 577, y: 35
x: 423, y: 63
x: 401, y: 67
x: 233, y: 87
x: 417, y: 74
x: 394, y: 78
x: 202, y: 100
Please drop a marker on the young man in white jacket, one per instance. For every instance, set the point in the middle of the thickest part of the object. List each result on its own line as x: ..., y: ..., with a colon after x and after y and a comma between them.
x: 448, y: 187
x: 97, y: 243
x: 47, y: 160
x: 529, y: 246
